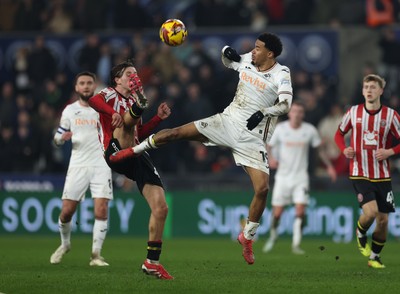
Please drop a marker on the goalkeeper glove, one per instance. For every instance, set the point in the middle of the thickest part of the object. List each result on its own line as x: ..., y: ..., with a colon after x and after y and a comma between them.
x: 136, y: 87
x: 231, y: 54
x: 254, y: 120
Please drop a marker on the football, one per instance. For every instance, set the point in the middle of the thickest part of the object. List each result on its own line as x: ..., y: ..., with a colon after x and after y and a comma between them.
x: 173, y: 32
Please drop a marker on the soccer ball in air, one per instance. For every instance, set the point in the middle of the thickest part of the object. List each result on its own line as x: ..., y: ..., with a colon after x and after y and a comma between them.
x: 173, y: 32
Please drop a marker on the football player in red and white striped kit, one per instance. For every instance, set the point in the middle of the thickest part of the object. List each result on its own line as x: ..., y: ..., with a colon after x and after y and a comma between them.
x: 373, y: 127
x: 121, y: 106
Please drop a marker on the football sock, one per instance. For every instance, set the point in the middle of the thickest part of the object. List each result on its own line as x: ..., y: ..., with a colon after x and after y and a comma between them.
x: 274, y: 225
x: 65, y: 232
x: 297, y: 231
x: 377, y: 245
x: 100, y: 228
x: 250, y: 230
x: 145, y: 145
x: 154, y: 250
x: 361, y: 232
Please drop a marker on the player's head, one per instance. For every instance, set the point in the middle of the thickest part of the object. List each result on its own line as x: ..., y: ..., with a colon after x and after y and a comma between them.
x: 296, y: 113
x: 118, y: 71
x: 373, y: 86
x: 85, y: 84
x: 272, y: 43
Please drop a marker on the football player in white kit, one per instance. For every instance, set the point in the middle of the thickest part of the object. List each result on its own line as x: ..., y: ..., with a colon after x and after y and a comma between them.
x: 289, y: 147
x: 87, y: 169
x: 264, y: 92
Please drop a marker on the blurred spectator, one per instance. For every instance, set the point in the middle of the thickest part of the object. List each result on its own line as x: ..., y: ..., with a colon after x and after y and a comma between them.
x: 20, y: 68
x: 59, y: 18
x: 131, y: 14
x: 8, y: 105
x: 379, y: 12
x: 30, y: 15
x: 27, y: 146
x: 327, y: 129
x: 390, y: 65
x: 196, y: 105
x: 90, y: 53
x: 52, y: 95
x: 165, y: 63
x: 93, y: 15
x: 201, y: 158
x: 7, y: 147
x: 299, y: 11
x: 41, y: 62
x: 104, y: 64
x: 8, y: 9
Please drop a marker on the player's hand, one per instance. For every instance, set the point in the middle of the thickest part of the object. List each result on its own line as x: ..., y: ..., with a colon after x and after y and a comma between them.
x: 231, y: 54
x: 66, y: 136
x: 135, y: 84
x: 254, y: 120
x: 163, y: 111
x: 116, y: 120
x: 382, y: 154
x: 332, y: 173
x: 349, y: 152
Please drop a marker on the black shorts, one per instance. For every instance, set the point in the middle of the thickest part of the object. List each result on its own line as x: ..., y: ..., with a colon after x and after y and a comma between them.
x: 367, y: 191
x: 139, y: 169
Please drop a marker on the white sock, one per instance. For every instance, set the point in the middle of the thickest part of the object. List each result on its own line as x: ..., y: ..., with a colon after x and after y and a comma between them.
x: 297, y: 231
x: 65, y: 232
x: 100, y: 228
x: 145, y: 145
x: 250, y: 229
x: 273, y: 234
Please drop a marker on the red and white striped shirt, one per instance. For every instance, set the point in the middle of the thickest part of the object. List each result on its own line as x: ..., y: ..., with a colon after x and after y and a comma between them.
x: 370, y: 131
x: 107, y: 102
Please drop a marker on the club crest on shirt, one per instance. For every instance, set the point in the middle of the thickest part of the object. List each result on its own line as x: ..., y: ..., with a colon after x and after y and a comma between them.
x: 360, y: 197
x: 383, y: 123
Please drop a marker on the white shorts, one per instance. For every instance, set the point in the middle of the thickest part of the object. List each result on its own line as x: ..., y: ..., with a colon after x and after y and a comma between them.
x: 247, y: 149
x: 290, y: 191
x: 79, y: 179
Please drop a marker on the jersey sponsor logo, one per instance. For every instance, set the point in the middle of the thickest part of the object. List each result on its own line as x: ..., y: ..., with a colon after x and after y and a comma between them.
x: 370, y: 139
x: 255, y: 81
x: 85, y: 122
x: 359, y: 120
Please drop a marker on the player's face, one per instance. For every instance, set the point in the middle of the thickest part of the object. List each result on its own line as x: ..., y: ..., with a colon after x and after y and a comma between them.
x: 123, y: 81
x: 85, y: 87
x: 296, y: 114
x: 260, y: 54
x: 371, y: 91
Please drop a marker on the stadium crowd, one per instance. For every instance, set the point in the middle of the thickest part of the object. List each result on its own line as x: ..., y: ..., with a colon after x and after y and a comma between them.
x: 194, y: 85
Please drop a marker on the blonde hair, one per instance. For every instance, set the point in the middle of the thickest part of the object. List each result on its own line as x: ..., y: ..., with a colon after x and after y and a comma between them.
x: 375, y: 78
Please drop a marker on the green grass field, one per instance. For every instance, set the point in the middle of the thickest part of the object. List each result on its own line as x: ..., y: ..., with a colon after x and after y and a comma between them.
x: 198, y: 265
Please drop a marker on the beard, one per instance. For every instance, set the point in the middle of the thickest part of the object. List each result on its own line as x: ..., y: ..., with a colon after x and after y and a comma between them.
x: 85, y: 97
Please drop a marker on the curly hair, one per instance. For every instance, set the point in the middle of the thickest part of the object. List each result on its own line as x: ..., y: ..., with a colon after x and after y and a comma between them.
x: 272, y: 43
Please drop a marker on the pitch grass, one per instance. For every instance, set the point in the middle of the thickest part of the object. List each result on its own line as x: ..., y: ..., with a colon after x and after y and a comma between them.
x: 198, y: 265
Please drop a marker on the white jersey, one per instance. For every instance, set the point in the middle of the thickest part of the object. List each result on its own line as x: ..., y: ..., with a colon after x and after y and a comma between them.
x: 255, y: 91
x: 82, y: 121
x: 291, y: 147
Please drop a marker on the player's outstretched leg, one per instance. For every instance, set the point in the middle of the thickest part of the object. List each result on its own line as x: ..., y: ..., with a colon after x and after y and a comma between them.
x: 57, y: 256
x: 247, y: 246
x: 156, y: 269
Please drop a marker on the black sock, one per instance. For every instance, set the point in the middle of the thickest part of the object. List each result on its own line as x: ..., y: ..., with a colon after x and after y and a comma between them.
x: 377, y: 244
x: 361, y: 229
x: 154, y: 250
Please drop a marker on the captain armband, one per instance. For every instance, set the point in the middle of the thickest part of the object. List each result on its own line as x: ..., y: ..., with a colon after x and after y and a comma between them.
x: 135, y: 111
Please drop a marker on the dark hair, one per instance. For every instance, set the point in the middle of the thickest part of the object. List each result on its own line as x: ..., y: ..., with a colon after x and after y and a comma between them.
x: 272, y: 42
x: 118, y: 70
x: 84, y: 73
